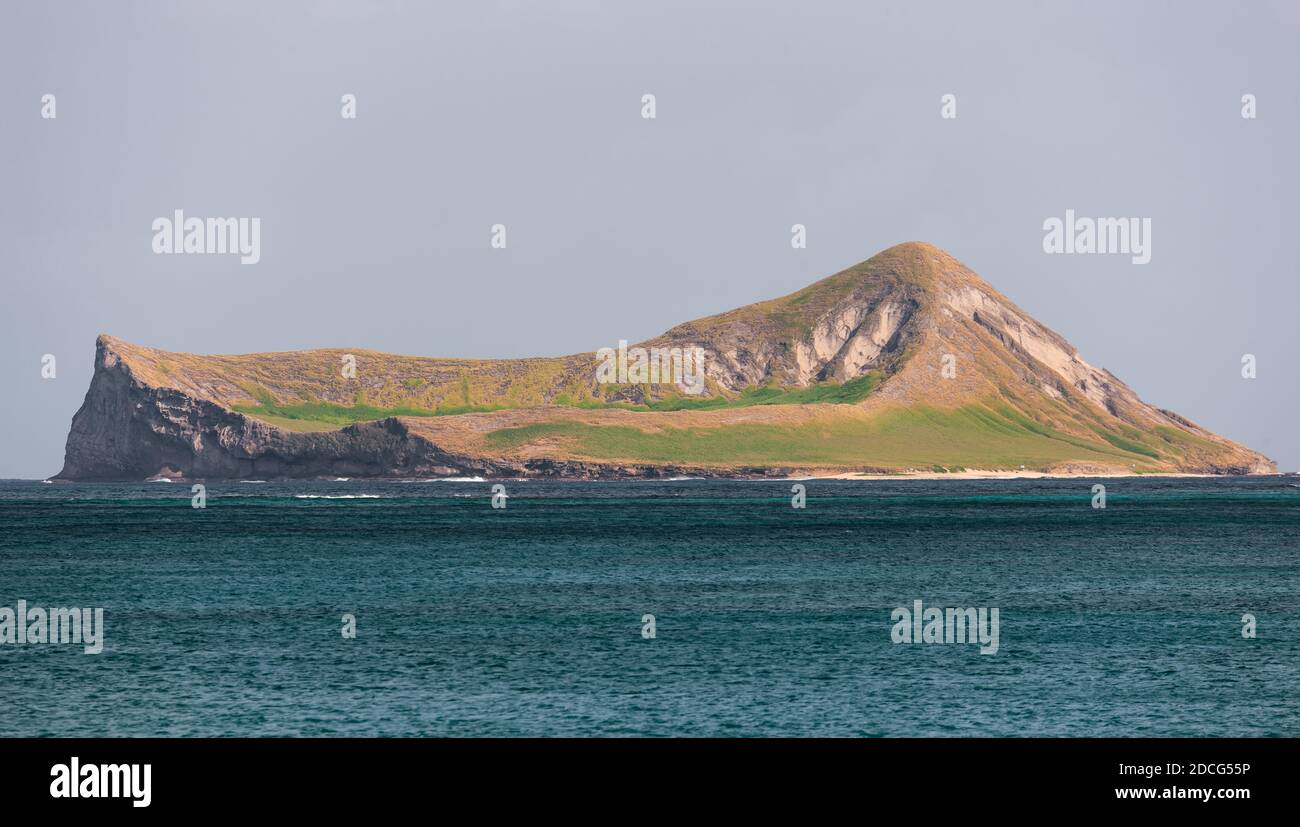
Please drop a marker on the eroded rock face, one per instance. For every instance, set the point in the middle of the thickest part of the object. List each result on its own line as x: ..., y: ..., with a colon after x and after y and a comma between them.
x: 126, y: 430
x: 1046, y: 347
x: 865, y: 330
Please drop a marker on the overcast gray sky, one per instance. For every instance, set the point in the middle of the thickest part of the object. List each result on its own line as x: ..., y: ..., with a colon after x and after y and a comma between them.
x: 375, y: 231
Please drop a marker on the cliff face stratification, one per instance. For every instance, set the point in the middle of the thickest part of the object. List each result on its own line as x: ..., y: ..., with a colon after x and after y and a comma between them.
x: 907, y: 361
x: 127, y: 430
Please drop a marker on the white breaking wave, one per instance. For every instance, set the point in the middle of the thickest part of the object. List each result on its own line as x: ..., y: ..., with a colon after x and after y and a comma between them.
x: 456, y: 479
x: 337, y: 496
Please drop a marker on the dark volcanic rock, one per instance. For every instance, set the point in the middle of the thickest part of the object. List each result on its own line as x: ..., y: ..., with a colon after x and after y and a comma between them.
x: 126, y: 430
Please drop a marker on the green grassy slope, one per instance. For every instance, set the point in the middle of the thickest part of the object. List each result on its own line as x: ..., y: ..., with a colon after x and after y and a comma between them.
x: 975, y: 436
x: 303, y: 415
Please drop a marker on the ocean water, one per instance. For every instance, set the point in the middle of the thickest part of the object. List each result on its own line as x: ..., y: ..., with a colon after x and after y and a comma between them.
x: 770, y: 621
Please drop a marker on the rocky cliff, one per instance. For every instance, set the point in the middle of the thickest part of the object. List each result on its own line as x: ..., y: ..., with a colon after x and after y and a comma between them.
x: 906, y: 361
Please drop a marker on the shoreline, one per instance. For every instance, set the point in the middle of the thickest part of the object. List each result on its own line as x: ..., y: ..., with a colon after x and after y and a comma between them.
x: 1022, y: 475
x: 968, y: 474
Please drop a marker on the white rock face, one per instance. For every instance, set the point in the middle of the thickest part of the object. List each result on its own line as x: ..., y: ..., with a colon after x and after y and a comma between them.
x: 832, y: 333
x: 853, y: 337
x: 863, y: 349
x: 806, y: 364
x: 1034, y: 340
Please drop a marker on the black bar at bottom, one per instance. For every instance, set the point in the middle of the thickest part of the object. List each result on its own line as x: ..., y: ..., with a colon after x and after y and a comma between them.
x: 210, y: 776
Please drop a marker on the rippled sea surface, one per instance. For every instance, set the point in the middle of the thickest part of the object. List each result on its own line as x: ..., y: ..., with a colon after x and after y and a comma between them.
x: 769, y: 620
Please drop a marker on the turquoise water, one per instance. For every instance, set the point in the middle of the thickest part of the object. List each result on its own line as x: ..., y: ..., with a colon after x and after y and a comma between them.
x: 769, y: 620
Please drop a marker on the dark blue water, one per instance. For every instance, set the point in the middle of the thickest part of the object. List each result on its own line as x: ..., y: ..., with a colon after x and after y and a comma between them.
x: 770, y: 620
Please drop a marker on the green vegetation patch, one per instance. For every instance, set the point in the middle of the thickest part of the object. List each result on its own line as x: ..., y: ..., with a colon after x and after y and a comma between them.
x: 329, y: 413
x: 974, y: 436
x: 833, y: 393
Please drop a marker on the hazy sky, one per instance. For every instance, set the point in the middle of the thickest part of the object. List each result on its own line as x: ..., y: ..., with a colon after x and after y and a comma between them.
x: 375, y: 231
